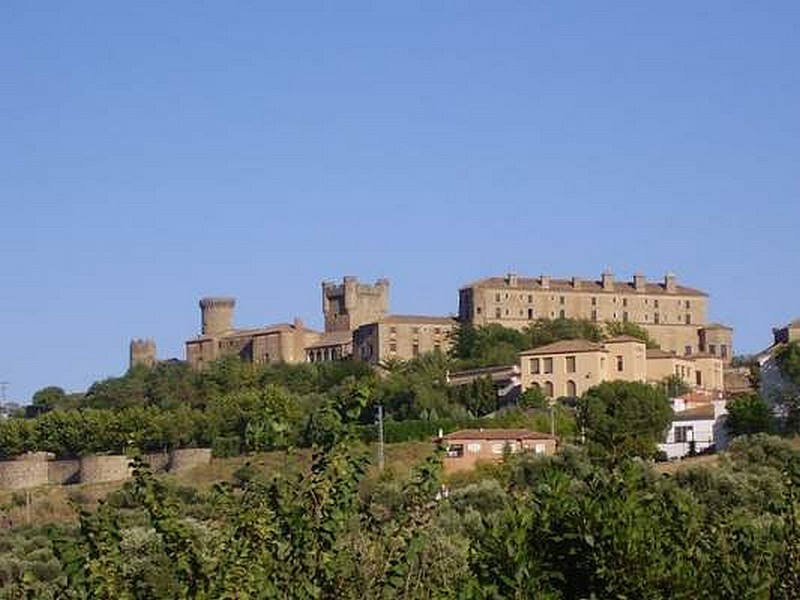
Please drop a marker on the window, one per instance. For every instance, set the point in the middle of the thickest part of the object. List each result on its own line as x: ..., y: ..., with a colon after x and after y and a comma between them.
x: 455, y: 451
x: 548, y: 365
x: 548, y: 389
x: 594, y: 315
x: 561, y: 300
x: 437, y: 330
x: 688, y: 319
x: 539, y: 448
x: 415, y: 350
x: 656, y: 318
x: 570, y: 364
x: 393, y: 347
x: 474, y: 447
x: 530, y: 313
x: 687, y: 350
x: 698, y: 378
x: 684, y: 433
x: 497, y: 448
x: 415, y: 330
x: 561, y: 314
x: 625, y: 316
x: 572, y: 389
x: 530, y: 297
x: 498, y: 313
x: 688, y: 304
x: 624, y: 302
x: 620, y: 364
x: 506, y: 312
x: 655, y: 303
x: 497, y: 297
x: 534, y: 366
x: 437, y: 347
x: 594, y: 301
x: 478, y: 310
x: 712, y: 349
x: 393, y: 330
x: 723, y: 350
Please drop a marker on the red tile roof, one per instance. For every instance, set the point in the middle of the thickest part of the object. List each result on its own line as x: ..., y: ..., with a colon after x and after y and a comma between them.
x: 566, y: 347
x: 586, y: 285
x: 497, y: 434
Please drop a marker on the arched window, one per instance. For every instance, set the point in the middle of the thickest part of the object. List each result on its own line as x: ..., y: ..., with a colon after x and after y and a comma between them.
x: 536, y: 385
x: 548, y: 389
x: 572, y: 390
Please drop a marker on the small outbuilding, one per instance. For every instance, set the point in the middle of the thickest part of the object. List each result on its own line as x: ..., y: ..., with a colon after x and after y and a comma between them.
x: 466, y: 447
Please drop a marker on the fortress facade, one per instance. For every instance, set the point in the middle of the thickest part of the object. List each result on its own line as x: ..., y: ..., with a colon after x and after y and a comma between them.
x: 358, y: 322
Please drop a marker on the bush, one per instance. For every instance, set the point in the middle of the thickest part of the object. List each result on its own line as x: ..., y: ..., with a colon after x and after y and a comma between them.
x: 226, y: 446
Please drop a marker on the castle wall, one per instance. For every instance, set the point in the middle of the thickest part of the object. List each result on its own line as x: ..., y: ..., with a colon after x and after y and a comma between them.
x: 64, y: 472
x: 26, y: 471
x: 103, y: 468
x: 158, y: 462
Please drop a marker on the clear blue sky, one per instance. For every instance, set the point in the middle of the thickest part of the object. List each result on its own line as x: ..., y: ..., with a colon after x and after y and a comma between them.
x: 154, y: 152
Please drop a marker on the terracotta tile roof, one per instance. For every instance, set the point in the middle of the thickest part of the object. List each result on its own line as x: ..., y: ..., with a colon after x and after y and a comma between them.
x: 586, y: 285
x: 659, y: 353
x: 698, y: 413
x: 497, y: 434
x: 565, y: 347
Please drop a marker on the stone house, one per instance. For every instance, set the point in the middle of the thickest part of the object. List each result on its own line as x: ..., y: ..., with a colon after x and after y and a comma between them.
x: 465, y: 448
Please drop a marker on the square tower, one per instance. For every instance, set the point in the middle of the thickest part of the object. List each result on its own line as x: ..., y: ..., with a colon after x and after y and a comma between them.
x: 350, y: 304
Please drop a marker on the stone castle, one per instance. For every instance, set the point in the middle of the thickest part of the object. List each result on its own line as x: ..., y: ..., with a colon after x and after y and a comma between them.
x: 358, y: 323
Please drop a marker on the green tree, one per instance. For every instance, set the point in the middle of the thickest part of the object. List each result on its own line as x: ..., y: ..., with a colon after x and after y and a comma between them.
x: 622, y: 419
x: 49, y: 397
x: 788, y: 359
x: 617, y: 328
x: 748, y: 414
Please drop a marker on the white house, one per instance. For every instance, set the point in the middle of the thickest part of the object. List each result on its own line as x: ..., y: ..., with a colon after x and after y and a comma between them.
x: 695, y: 428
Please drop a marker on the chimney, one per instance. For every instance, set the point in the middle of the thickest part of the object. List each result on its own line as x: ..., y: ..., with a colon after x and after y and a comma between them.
x: 639, y: 282
x: 608, y: 280
x: 544, y: 281
x: 512, y: 279
x: 669, y: 283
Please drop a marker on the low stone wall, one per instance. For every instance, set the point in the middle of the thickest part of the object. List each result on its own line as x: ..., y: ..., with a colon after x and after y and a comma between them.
x: 158, y: 462
x: 64, y: 472
x: 23, y: 472
x: 188, y: 458
x: 102, y: 468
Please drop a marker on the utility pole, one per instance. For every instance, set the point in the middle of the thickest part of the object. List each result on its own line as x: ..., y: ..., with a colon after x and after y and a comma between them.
x: 553, y: 418
x: 380, y: 438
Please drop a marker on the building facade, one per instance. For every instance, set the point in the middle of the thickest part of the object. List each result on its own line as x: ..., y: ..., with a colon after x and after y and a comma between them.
x: 774, y: 386
x: 569, y: 368
x: 673, y: 315
x: 465, y: 448
x: 402, y: 337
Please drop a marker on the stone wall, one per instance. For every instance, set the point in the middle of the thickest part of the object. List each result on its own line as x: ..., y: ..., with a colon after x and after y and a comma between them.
x: 188, y: 458
x: 25, y: 471
x: 37, y: 468
x: 102, y: 468
x: 64, y: 472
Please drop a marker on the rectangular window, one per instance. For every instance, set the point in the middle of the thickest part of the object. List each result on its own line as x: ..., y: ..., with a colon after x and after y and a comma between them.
x: 455, y: 451
x: 392, y: 329
x: 594, y: 301
x: 497, y: 448
x: 497, y: 297
x: 687, y: 350
x: 534, y: 366
x: 625, y: 316
x: 620, y: 364
x: 655, y: 303
x: 723, y: 351
x: 561, y: 300
x: 437, y: 330
x: 474, y: 448
x: 570, y: 364
x: 539, y: 448
x: 594, y: 315
x: 530, y: 313
x: 688, y: 319
x: 498, y: 313
x: 548, y: 365
x: 415, y: 350
x: 698, y: 378
x: 624, y: 302
x: 530, y: 297
x: 656, y: 318
x: 684, y: 433
x: 415, y: 330
x: 712, y: 349
x: 393, y: 347
x: 561, y: 314
x: 688, y: 304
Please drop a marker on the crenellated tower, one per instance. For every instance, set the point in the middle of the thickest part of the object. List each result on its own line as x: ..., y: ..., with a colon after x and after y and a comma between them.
x: 142, y: 352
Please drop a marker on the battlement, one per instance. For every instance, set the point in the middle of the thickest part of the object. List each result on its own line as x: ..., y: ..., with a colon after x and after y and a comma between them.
x: 142, y: 352
x: 216, y: 314
x: 217, y: 302
x: 350, y: 304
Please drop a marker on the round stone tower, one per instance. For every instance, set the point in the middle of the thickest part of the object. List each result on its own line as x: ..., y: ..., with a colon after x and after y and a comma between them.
x: 142, y: 352
x: 217, y: 315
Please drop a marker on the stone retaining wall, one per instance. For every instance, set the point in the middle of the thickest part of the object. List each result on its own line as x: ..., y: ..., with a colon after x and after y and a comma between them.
x: 106, y: 467
x: 23, y: 472
x: 64, y: 472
